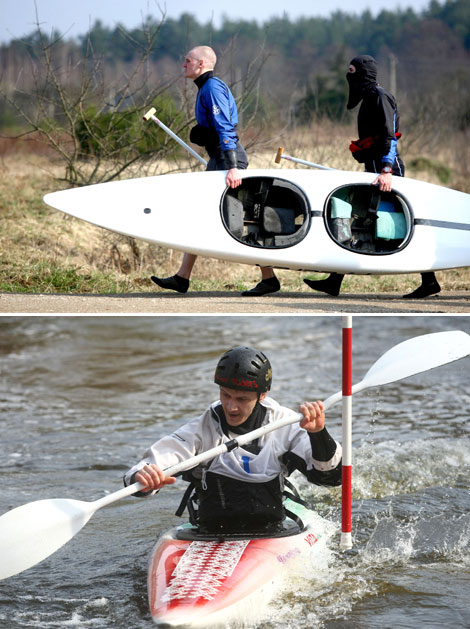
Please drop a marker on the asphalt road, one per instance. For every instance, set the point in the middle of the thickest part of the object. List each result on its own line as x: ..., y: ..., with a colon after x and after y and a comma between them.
x: 233, y: 303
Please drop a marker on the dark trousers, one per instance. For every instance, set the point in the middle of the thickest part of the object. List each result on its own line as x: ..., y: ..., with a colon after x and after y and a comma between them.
x: 217, y: 161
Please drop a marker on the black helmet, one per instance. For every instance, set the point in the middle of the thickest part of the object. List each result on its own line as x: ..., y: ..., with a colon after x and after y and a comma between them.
x: 244, y: 369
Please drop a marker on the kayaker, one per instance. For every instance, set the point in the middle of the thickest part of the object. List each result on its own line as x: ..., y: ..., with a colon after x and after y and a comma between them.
x: 377, y: 148
x: 216, y: 130
x: 243, y: 489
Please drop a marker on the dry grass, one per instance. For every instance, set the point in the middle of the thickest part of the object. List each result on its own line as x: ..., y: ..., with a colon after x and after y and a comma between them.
x: 45, y: 251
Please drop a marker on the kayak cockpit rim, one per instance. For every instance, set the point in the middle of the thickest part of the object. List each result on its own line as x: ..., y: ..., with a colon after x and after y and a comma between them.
x: 288, y: 527
x: 362, y: 219
x: 266, y: 212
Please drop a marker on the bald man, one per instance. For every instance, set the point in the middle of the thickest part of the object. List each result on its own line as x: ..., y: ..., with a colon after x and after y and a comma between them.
x: 216, y: 130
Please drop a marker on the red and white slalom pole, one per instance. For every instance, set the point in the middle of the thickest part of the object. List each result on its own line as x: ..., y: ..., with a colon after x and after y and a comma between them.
x: 346, y: 540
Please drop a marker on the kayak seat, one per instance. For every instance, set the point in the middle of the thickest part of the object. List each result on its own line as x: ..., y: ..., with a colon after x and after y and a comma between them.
x: 364, y: 219
x: 233, y: 215
x: 266, y: 212
x: 340, y: 208
x: 390, y: 224
x: 340, y: 213
x: 278, y: 221
x: 285, y: 194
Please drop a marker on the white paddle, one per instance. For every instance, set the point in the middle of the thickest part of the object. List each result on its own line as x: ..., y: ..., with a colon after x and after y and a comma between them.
x: 32, y: 532
x: 280, y: 155
x: 150, y: 115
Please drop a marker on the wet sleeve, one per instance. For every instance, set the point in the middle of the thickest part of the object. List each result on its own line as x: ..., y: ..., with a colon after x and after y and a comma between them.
x: 323, y: 445
x: 318, y: 456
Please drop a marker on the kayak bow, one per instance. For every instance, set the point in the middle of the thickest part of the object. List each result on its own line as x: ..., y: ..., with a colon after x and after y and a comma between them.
x: 327, y: 220
x: 199, y: 580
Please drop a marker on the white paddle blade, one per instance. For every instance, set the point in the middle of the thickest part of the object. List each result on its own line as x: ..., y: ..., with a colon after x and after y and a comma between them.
x: 416, y: 355
x: 32, y: 532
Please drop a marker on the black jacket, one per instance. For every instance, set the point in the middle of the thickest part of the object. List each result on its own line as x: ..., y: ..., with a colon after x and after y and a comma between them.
x: 379, y: 120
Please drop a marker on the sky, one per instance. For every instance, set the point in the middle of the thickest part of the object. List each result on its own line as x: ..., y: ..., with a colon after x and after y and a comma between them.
x: 18, y: 17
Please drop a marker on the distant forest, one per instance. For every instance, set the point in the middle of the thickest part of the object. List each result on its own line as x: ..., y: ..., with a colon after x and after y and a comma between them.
x: 297, y: 68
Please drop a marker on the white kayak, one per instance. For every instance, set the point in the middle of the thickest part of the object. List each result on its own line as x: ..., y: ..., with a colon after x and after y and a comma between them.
x: 199, y: 580
x: 295, y: 219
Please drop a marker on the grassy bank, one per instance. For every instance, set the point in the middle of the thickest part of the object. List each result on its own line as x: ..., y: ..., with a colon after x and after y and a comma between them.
x: 44, y: 251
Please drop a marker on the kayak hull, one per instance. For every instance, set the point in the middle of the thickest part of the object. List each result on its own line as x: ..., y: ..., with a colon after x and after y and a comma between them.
x: 202, y: 582
x: 196, y: 213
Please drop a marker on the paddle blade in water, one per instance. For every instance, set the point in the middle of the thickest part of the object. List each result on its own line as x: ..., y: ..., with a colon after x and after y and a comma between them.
x: 32, y: 532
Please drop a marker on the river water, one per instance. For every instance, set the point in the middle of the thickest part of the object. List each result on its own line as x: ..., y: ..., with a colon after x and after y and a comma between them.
x: 82, y: 397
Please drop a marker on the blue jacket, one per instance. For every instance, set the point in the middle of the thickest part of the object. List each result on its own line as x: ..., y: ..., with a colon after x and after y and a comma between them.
x: 216, y: 109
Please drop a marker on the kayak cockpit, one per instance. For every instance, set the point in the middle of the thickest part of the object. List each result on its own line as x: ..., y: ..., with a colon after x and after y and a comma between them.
x: 266, y: 212
x: 364, y: 220
x: 286, y: 528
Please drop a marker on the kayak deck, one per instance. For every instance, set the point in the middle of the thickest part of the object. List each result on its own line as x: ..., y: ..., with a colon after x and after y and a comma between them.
x: 325, y: 221
x: 195, y: 579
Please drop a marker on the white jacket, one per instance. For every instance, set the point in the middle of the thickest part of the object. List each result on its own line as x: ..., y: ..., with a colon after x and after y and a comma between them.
x: 205, y: 432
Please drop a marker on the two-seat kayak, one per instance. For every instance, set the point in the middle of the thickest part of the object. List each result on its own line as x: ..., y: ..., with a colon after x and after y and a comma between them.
x: 197, y: 579
x: 293, y: 219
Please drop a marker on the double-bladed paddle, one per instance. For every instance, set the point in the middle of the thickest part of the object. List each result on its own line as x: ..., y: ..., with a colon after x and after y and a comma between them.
x: 32, y: 532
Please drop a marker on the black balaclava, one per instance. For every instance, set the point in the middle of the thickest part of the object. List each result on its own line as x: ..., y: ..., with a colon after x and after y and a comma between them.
x: 362, y: 80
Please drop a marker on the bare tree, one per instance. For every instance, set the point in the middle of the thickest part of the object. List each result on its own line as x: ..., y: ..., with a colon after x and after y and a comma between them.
x: 91, y: 115
x: 88, y: 108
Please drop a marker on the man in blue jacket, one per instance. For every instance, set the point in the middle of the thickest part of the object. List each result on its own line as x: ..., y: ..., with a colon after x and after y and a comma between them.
x: 216, y: 130
x: 378, y: 123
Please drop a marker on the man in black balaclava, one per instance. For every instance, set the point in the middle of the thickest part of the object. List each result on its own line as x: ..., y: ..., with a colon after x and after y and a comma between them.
x: 377, y: 122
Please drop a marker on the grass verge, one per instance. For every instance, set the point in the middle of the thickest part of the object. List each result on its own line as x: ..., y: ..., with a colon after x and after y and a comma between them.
x: 44, y: 251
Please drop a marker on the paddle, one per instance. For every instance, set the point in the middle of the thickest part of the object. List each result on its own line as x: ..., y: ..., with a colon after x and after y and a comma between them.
x: 280, y: 155
x: 150, y: 115
x: 32, y: 532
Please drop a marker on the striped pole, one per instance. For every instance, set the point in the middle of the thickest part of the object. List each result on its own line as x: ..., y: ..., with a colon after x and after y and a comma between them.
x: 346, y: 541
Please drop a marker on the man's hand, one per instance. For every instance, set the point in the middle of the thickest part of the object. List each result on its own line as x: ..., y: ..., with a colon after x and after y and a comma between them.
x: 233, y: 179
x: 384, y: 181
x: 152, y: 477
x: 314, y: 416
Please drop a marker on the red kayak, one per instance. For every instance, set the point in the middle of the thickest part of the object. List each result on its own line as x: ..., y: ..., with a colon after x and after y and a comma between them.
x: 197, y: 580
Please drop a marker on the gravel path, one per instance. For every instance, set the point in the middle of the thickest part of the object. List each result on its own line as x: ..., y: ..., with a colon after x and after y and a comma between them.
x: 228, y: 303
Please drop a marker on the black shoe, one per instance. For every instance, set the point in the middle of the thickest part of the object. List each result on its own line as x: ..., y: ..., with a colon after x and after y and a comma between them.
x: 177, y: 283
x: 264, y: 287
x: 424, y: 291
x: 331, y: 285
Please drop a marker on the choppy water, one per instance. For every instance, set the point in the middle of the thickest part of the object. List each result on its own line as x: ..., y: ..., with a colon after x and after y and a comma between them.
x: 82, y: 397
